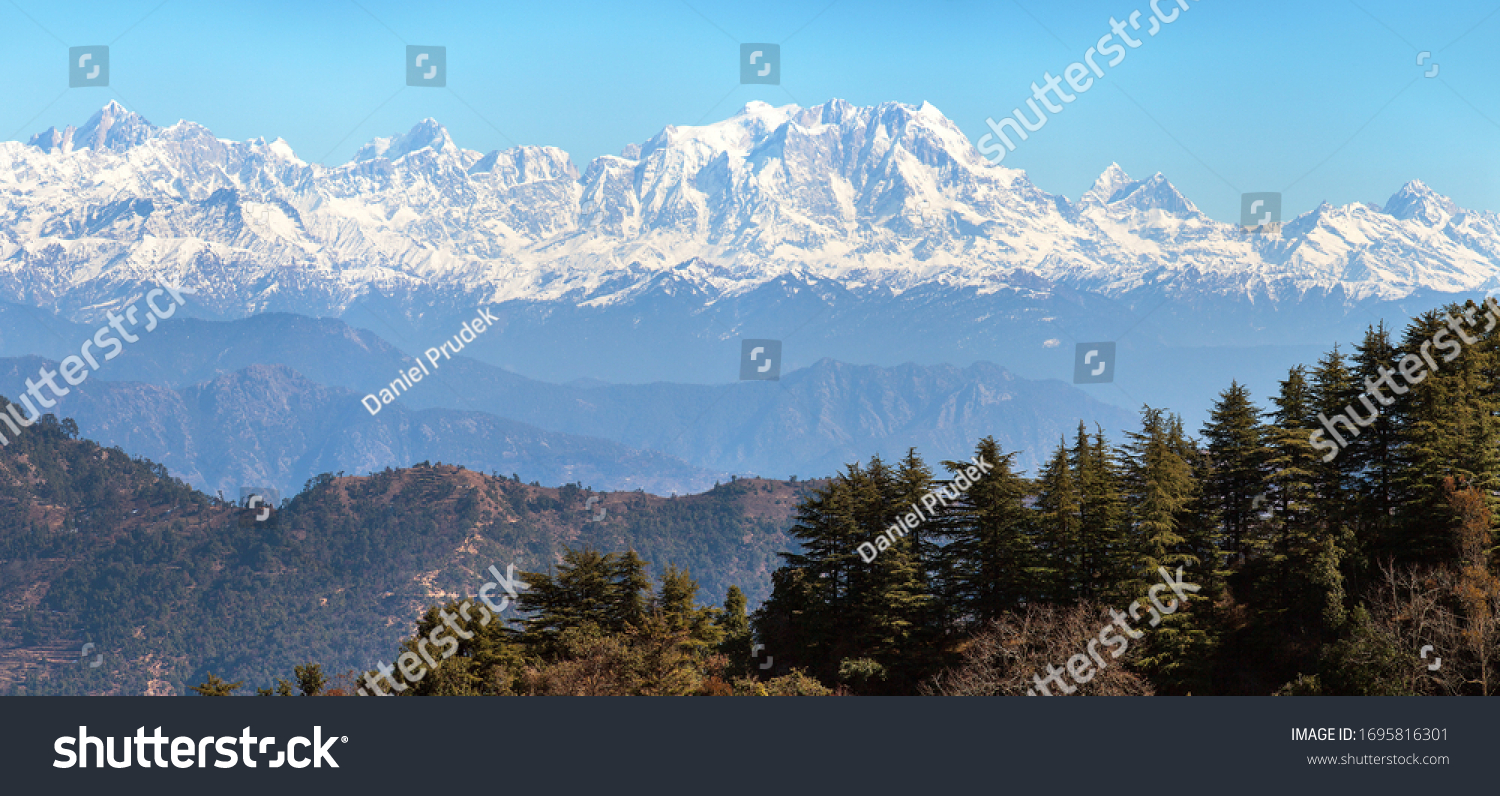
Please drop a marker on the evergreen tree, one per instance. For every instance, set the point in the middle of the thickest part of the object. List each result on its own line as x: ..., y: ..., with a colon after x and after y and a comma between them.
x: 1373, y: 452
x: 890, y: 591
x: 1238, y: 458
x: 214, y: 686
x: 630, y: 587
x: 675, y: 607
x: 1448, y: 429
x: 811, y: 618
x: 1059, y: 530
x: 1333, y: 391
x: 310, y: 679
x: 735, y: 626
x: 607, y: 591
x: 990, y: 549
x: 1103, y: 554
x: 1161, y: 490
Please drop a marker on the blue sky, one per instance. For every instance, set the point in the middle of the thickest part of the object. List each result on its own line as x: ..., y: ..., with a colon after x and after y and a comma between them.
x: 1323, y: 101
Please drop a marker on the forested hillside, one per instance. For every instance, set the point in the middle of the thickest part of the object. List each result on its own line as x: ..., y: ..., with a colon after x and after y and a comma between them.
x: 168, y: 583
x: 1320, y: 570
x: 1336, y: 537
x: 1257, y: 557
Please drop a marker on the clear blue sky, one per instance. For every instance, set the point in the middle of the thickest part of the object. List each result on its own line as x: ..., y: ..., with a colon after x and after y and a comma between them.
x: 1323, y: 100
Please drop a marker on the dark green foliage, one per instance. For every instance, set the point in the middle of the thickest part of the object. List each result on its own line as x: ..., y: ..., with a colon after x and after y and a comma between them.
x: 737, y: 646
x: 214, y: 686
x: 1287, y: 542
x: 991, y: 562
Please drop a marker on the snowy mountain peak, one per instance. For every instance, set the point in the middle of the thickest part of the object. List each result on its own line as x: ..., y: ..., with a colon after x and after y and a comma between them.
x: 1153, y: 193
x: 112, y: 127
x: 889, y: 198
x: 737, y: 134
x: 1417, y: 202
x: 1111, y: 180
x: 426, y: 134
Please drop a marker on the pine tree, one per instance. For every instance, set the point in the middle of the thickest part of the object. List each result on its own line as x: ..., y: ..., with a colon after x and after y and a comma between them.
x: 283, y: 688
x: 812, y: 617
x: 213, y: 686
x: 1238, y: 466
x: 310, y: 679
x: 630, y: 588
x: 1448, y: 429
x: 1301, y: 551
x: 1333, y: 391
x: 1373, y: 452
x: 607, y: 591
x: 914, y: 481
x: 675, y: 607
x: 890, y: 592
x: 1060, y: 571
x: 461, y: 649
x: 1103, y: 555
x: 735, y: 626
x: 1160, y: 487
x: 990, y: 549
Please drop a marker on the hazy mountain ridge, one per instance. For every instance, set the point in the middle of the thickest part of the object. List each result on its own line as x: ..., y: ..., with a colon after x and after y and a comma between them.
x: 267, y: 425
x: 273, y: 399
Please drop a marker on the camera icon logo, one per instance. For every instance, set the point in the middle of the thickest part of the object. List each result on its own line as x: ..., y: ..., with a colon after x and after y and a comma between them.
x: 1260, y: 212
x: 88, y: 66
x: 760, y: 360
x: 760, y: 63
x: 259, y: 504
x: 1094, y: 363
x: 589, y: 506
x: 426, y: 66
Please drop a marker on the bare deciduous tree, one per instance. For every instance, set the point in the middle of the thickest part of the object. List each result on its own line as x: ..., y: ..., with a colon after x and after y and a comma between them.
x: 1002, y: 659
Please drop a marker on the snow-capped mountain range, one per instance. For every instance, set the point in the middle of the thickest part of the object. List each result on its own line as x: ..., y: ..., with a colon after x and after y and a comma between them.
x: 880, y: 199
